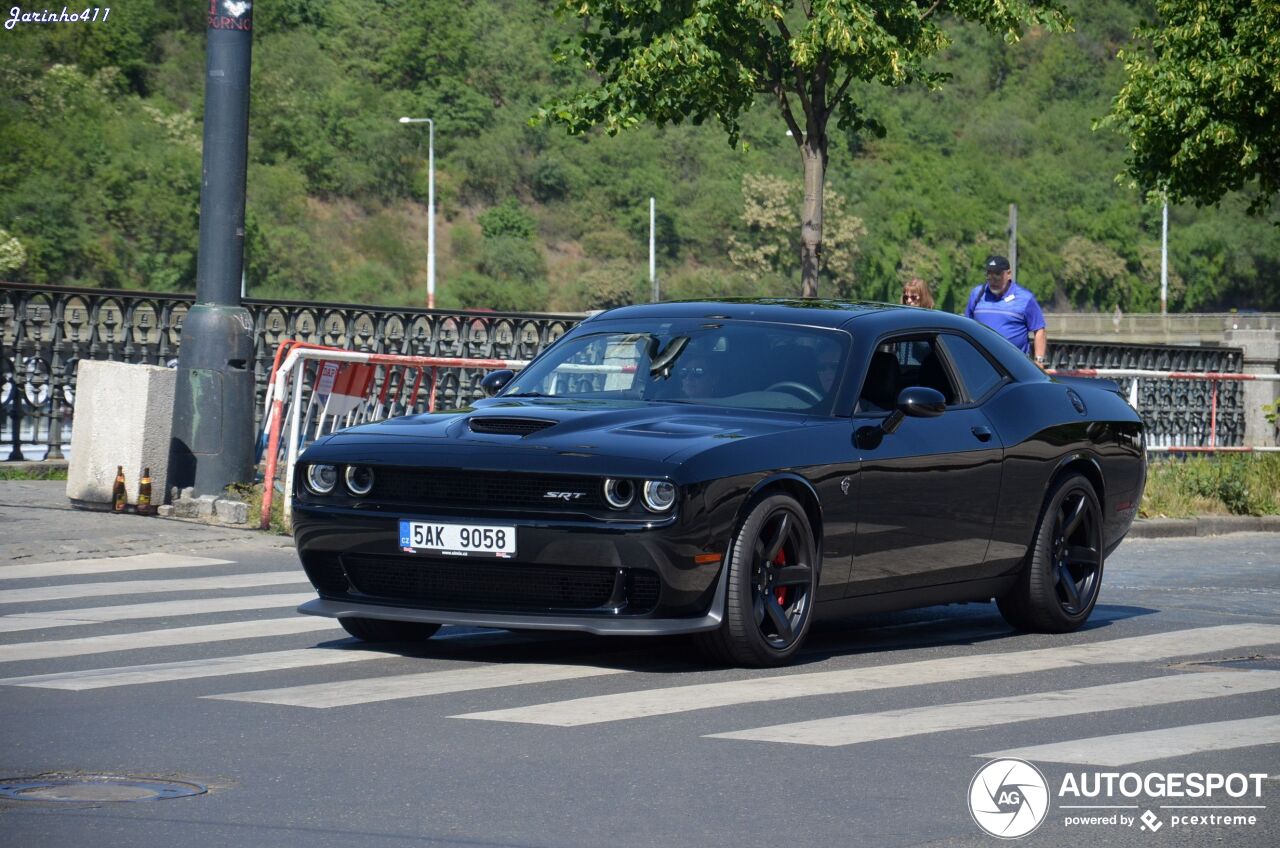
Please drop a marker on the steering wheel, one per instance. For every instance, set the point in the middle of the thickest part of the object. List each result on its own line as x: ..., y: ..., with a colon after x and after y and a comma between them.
x: 803, y: 391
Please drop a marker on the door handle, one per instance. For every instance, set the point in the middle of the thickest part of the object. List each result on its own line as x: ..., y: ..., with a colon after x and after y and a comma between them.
x: 983, y: 433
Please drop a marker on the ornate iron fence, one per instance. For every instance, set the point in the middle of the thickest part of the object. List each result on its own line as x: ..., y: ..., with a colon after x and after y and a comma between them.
x: 47, y: 330
x: 1176, y: 411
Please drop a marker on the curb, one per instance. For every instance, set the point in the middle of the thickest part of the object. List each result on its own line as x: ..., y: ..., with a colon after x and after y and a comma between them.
x: 35, y: 466
x: 1209, y: 525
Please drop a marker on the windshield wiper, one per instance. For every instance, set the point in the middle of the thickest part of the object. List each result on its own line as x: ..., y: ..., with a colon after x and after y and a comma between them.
x: 526, y: 394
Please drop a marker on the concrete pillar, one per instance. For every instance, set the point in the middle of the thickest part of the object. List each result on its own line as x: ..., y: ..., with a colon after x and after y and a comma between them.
x: 1261, y: 356
x: 123, y: 416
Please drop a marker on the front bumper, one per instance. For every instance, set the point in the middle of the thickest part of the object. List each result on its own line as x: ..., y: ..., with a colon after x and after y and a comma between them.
x: 568, y: 574
x: 509, y: 621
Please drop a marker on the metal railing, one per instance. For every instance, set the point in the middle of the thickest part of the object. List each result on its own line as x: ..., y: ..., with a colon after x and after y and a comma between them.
x: 47, y: 330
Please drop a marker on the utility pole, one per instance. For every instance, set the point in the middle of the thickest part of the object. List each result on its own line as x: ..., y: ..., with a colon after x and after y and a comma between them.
x: 1164, y: 259
x: 212, y: 441
x: 653, y: 255
x: 431, y: 205
x: 1013, y: 240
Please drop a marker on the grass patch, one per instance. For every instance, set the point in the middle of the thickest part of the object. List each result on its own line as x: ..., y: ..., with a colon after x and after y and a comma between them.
x: 29, y: 472
x: 252, y: 495
x: 1230, y: 484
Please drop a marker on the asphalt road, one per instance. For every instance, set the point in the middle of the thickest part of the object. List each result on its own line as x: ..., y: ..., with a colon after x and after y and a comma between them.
x: 489, y: 738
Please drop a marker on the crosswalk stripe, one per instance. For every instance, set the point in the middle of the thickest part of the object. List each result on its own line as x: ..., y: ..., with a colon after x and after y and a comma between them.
x: 347, y: 693
x: 58, y: 648
x: 155, y: 609
x: 677, y: 699
x: 129, y: 675
x: 1124, y: 748
x: 915, y: 721
x: 105, y: 565
x: 144, y: 587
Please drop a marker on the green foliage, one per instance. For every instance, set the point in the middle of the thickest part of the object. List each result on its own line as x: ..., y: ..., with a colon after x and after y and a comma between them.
x: 1200, y: 105
x: 678, y: 61
x: 12, y: 254
x: 100, y: 177
x: 508, y: 220
x: 1240, y: 484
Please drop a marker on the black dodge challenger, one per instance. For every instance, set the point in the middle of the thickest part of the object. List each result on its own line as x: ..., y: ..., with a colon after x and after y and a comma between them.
x: 729, y: 469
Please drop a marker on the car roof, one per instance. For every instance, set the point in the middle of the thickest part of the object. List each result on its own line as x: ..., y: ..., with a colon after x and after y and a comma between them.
x: 810, y: 311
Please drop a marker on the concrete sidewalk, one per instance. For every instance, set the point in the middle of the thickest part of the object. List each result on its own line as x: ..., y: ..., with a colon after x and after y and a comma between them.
x: 37, y: 524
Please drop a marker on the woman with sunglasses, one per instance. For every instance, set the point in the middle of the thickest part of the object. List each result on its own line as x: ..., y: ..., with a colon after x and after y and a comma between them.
x: 916, y: 293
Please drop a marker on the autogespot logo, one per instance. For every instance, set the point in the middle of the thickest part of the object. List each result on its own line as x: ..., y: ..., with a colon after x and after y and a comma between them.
x: 1008, y: 798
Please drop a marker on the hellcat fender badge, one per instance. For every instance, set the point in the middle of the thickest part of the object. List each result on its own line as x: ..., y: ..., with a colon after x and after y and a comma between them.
x: 844, y: 485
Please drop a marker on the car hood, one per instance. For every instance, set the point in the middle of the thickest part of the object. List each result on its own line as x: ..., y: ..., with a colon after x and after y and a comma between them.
x: 552, y: 433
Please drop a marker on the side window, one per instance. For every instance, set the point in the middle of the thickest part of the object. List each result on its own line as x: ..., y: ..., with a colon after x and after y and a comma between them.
x: 979, y: 375
x: 900, y: 363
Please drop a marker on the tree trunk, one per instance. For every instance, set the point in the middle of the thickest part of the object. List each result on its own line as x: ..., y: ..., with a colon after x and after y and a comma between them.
x: 814, y: 151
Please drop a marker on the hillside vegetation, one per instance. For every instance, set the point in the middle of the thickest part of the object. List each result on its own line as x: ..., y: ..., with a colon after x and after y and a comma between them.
x: 100, y: 125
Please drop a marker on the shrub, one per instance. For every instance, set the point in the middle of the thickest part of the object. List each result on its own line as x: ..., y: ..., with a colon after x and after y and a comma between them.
x: 1236, y: 484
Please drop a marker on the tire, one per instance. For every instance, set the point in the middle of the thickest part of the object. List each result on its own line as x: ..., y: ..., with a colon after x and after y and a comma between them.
x: 1059, y: 587
x: 772, y: 586
x: 381, y: 630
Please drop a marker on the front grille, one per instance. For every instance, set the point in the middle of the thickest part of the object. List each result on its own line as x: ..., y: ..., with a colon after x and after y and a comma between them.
x: 642, y: 591
x: 427, y: 487
x: 508, y: 426
x: 325, y: 573
x: 472, y: 585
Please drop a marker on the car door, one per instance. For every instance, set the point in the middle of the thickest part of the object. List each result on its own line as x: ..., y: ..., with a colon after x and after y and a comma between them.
x: 928, y: 491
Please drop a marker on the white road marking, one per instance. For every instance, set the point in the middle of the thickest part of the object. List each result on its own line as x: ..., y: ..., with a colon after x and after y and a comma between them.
x: 156, y: 609
x: 144, y: 587
x: 1123, y: 748
x: 130, y: 675
x: 677, y: 699
x: 916, y: 721
x: 346, y: 693
x: 164, y: 638
x: 105, y: 565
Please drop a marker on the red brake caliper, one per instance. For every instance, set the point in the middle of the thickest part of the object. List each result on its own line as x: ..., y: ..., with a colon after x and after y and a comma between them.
x: 780, y: 592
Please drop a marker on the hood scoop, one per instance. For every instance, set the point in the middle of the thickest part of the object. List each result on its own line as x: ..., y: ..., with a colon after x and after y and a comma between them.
x: 508, y: 426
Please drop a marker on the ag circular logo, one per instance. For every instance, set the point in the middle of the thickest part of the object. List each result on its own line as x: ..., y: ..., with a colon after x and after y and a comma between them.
x: 1008, y: 798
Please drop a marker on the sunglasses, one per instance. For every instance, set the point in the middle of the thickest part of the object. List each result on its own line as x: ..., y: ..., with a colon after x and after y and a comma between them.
x: 910, y: 298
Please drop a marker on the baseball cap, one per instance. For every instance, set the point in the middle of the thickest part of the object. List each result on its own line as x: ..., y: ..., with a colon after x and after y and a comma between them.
x: 997, y: 263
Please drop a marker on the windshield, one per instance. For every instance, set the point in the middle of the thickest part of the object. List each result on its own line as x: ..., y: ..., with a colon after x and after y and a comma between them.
x: 742, y: 365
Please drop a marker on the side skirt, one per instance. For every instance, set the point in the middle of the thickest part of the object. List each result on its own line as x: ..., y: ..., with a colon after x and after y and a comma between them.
x: 950, y: 593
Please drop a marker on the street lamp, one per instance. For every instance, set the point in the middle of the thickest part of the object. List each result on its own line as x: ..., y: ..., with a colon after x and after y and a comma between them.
x: 431, y: 206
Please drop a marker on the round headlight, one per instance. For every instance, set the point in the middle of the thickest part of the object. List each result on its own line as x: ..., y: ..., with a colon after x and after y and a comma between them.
x: 322, y: 478
x: 659, y: 495
x: 619, y: 493
x: 359, y: 480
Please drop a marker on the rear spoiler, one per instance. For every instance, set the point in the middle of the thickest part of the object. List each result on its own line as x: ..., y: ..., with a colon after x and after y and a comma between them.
x: 1093, y: 382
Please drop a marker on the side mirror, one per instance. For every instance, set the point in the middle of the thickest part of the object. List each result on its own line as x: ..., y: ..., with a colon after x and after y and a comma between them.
x: 917, y: 402
x: 921, y: 402
x: 496, y: 381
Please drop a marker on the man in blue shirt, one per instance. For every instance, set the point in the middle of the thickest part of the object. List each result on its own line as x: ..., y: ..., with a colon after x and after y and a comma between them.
x: 1009, y: 309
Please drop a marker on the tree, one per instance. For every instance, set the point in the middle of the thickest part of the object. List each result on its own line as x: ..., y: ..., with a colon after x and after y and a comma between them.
x: 1200, y: 105
x: 697, y: 59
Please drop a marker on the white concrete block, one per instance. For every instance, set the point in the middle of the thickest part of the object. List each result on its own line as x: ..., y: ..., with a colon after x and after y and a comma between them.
x: 124, y: 416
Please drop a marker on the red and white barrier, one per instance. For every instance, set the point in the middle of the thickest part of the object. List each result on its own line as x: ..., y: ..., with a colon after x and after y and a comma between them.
x: 1214, y: 377
x: 340, y: 397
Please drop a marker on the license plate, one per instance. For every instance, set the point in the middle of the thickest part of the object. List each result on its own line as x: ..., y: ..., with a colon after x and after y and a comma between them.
x: 481, y: 540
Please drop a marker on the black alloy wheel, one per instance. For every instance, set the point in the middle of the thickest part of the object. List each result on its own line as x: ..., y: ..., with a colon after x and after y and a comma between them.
x: 772, y: 586
x: 381, y: 630
x: 1059, y: 587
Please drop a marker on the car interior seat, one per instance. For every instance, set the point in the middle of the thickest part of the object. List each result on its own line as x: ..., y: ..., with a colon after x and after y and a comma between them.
x: 880, y: 391
x: 933, y: 375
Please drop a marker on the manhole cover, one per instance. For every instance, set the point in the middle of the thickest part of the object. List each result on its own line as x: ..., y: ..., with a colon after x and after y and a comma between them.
x: 95, y: 788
